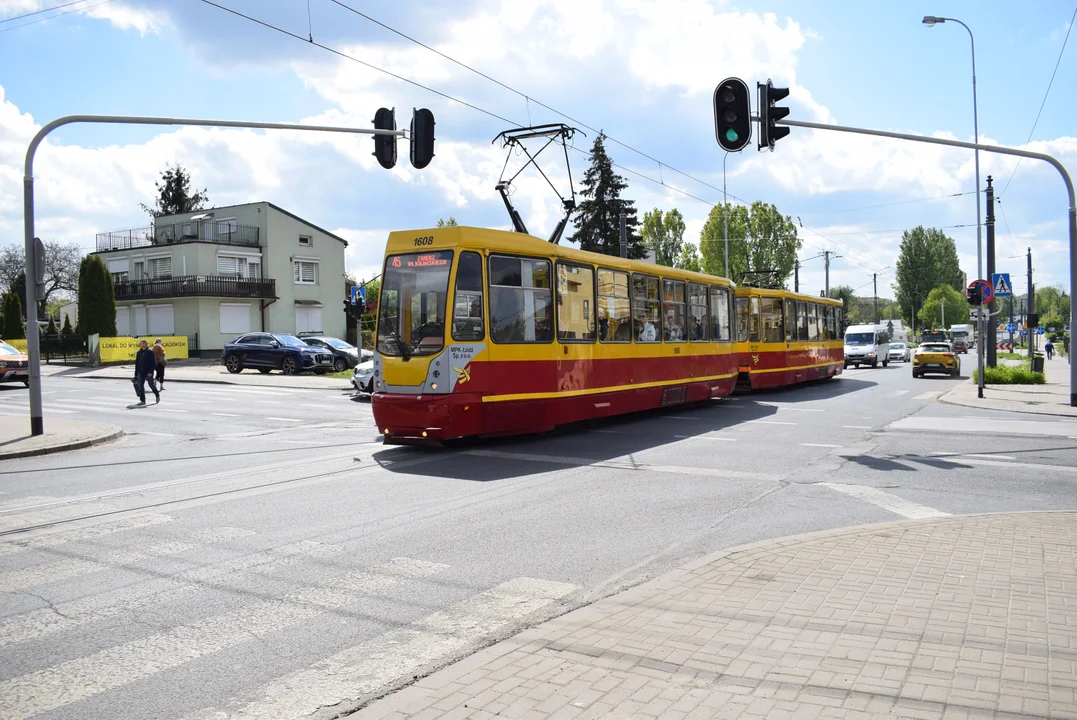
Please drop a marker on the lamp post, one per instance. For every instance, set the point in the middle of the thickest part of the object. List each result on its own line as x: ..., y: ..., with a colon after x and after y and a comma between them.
x: 931, y: 21
x: 725, y: 218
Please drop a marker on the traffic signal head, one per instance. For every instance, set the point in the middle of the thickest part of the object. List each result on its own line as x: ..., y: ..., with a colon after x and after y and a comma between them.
x: 385, y: 145
x: 732, y: 115
x: 975, y: 295
x: 1033, y: 320
x: 769, y: 132
x: 422, y: 138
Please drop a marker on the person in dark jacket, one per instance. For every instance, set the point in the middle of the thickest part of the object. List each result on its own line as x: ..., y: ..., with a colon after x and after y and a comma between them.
x: 145, y: 366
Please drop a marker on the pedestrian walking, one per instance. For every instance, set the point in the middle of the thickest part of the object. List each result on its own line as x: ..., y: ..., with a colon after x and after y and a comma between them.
x: 159, y: 356
x: 1049, y: 348
x: 145, y: 366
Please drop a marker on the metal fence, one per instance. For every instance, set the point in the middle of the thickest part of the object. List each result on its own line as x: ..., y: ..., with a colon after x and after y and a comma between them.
x: 196, y: 286
x: 225, y: 233
x: 62, y: 347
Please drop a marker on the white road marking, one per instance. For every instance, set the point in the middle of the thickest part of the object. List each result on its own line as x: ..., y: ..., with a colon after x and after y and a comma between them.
x: 82, y: 533
x: 75, y: 566
x: 304, y: 442
x: 992, y: 426
x: 60, y: 617
x: 929, y: 395
x: 319, y: 407
x: 705, y: 437
x: 857, y: 427
x: 270, y: 417
x: 771, y: 422
x: 897, y: 393
x: 1036, y: 467
x: 397, y: 654
x: 974, y: 455
x: 166, y: 409
x: 270, y: 402
x: 627, y: 464
x: 156, y: 434
x: 682, y: 417
x: 60, y: 685
x: 820, y: 445
x: 224, y: 415
x: 887, y: 501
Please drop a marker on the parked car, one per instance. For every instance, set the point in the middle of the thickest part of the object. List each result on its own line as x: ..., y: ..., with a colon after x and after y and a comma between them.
x: 274, y: 351
x: 14, y: 365
x: 345, y: 355
x: 935, y: 357
x: 899, y: 351
x: 363, y: 375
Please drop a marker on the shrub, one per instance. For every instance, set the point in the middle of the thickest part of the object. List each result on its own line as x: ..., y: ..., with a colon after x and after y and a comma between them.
x: 1010, y: 375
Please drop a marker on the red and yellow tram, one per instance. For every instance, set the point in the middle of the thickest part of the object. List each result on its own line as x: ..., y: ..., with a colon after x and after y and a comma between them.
x: 487, y: 332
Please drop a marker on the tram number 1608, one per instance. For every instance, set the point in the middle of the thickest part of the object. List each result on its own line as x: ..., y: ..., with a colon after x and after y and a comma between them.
x: 420, y: 241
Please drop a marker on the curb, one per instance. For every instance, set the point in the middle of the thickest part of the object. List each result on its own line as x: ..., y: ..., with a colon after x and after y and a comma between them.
x: 946, y: 400
x: 348, y: 387
x: 77, y: 445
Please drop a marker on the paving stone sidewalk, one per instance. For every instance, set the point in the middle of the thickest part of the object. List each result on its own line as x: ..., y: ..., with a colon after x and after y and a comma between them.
x: 961, y: 617
x: 1051, y: 398
x: 208, y: 371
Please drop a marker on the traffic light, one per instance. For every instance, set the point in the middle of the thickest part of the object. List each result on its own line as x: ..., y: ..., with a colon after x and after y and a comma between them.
x: 769, y: 133
x: 975, y: 295
x: 422, y: 138
x: 1033, y: 320
x: 732, y: 115
x: 385, y: 145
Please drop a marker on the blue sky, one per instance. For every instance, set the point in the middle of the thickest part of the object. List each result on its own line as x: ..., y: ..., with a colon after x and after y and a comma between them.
x: 641, y: 70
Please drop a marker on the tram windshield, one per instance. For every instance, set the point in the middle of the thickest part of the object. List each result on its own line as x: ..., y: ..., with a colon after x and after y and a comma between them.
x: 411, y: 307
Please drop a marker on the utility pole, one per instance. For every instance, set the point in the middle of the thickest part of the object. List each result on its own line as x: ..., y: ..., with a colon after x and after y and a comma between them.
x: 1011, y: 321
x: 943, y: 313
x: 875, y: 294
x: 1030, y: 306
x: 992, y: 339
x: 826, y: 271
x: 624, y: 237
x: 796, y: 275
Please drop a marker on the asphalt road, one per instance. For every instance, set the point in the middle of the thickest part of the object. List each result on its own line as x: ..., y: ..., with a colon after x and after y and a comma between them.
x: 253, y: 552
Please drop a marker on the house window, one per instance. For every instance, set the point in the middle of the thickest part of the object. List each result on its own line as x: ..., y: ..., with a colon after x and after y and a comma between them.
x: 308, y: 319
x: 239, y: 266
x: 161, y: 268
x: 119, y: 277
x: 306, y: 240
x: 162, y: 320
x: 306, y: 272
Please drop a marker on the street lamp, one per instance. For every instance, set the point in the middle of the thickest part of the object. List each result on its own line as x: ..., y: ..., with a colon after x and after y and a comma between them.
x: 931, y: 21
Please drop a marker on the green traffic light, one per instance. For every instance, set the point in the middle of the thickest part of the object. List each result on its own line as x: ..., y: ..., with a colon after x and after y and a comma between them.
x: 731, y: 135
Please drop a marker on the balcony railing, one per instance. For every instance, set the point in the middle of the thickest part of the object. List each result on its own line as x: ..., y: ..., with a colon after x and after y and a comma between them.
x: 226, y: 233
x: 196, y: 286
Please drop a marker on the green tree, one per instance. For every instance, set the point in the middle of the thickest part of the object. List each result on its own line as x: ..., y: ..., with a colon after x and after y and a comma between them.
x: 763, y: 244
x: 926, y: 260
x: 61, y: 271
x: 451, y: 222
x: 18, y: 289
x: 174, y: 195
x: 13, y: 327
x: 956, y: 308
x: 597, y: 218
x: 846, y: 294
x: 51, y: 328
x: 67, y: 329
x: 97, y: 299
x: 689, y: 258
x: 664, y: 235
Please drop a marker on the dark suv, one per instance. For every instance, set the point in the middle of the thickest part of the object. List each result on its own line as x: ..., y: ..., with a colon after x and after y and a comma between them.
x: 274, y: 351
x: 345, y: 355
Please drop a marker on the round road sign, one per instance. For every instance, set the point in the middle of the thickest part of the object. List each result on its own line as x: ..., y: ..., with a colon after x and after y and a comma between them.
x: 987, y: 293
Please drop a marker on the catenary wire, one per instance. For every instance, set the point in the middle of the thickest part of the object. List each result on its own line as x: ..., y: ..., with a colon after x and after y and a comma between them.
x: 57, y: 15
x: 42, y: 10
x: 1043, y: 102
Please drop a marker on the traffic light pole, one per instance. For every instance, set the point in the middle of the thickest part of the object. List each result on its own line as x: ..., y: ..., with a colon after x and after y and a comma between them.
x: 33, y: 347
x: 1001, y: 151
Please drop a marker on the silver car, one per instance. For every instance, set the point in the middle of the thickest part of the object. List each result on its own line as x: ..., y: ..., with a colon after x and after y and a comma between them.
x: 363, y: 376
x: 899, y: 351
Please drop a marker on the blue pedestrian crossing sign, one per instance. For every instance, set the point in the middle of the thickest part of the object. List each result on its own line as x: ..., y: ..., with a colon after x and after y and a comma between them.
x: 1000, y: 282
x: 358, y: 292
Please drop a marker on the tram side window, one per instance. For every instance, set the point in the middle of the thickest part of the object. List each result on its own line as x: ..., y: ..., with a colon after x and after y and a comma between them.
x: 802, y: 321
x: 742, y: 319
x: 698, y: 318
x: 753, y: 323
x: 790, y: 320
x: 813, y: 322
x: 520, y: 307
x: 467, y: 302
x: 673, y: 329
x: 824, y: 322
x: 719, y: 314
x: 831, y: 333
x: 646, y: 308
x: 771, y: 315
x: 614, y: 309
x: 575, y: 296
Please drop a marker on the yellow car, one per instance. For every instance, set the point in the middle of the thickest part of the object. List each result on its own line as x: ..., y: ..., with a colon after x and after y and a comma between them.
x: 935, y: 357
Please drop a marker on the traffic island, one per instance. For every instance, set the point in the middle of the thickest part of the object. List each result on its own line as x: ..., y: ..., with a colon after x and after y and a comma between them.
x: 1050, y: 398
x: 60, y: 435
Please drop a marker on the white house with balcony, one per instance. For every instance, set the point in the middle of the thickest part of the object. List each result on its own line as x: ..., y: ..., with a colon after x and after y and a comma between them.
x: 214, y: 274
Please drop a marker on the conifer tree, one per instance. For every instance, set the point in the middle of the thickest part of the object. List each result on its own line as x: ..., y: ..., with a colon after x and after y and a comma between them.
x: 597, y: 218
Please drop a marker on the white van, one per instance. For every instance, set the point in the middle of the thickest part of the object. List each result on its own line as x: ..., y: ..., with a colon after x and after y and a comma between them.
x: 866, y: 345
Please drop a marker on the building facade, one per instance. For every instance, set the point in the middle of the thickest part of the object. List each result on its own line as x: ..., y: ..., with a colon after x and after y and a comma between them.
x: 214, y: 274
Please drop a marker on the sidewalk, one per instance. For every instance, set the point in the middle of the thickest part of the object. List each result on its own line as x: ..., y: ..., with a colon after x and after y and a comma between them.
x: 16, y: 440
x: 961, y: 617
x: 1051, y: 398
x: 211, y: 371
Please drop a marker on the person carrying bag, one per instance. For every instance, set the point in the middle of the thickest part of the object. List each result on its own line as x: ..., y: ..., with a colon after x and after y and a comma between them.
x: 159, y: 356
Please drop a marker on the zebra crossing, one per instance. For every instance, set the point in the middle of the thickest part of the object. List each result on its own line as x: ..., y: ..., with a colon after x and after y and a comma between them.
x: 61, y: 591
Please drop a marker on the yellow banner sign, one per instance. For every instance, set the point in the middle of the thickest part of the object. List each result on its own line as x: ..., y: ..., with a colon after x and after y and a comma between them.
x: 19, y: 345
x: 123, y: 349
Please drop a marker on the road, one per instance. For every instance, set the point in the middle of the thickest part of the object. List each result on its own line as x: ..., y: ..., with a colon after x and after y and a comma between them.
x: 255, y: 553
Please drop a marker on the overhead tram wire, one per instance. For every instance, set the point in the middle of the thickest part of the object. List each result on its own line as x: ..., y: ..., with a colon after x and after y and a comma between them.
x: 42, y: 10
x: 1043, y: 102
x: 843, y: 247
x: 530, y: 99
x: 52, y: 17
x: 899, y: 202
x: 346, y: 56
